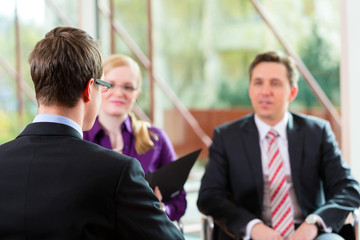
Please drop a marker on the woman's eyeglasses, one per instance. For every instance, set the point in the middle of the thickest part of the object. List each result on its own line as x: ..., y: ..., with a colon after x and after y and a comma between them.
x: 126, y: 88
x: 105, y: 86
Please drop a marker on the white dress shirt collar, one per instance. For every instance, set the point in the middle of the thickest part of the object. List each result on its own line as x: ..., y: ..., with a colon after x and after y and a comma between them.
x: 280, y: 127
x: 58, y: 119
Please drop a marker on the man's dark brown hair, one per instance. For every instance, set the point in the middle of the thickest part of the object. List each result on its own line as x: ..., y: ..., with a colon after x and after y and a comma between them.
x: 277, y: 57
x: 61, y: 65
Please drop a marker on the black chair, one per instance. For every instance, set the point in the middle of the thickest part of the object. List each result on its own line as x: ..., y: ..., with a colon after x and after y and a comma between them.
x: 350, y: 230
x: 180, y: 225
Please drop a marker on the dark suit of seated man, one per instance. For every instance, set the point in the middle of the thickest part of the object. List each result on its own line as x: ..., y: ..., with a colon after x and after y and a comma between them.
x: 241, y: 188
x: 55, y: 185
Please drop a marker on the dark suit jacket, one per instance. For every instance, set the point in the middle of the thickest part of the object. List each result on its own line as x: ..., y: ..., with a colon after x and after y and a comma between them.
x: 232, y: 186
x: 54, y: 185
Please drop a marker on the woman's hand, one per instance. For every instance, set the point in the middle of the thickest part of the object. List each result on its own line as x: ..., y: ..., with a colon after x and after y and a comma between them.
x: 158, y: 194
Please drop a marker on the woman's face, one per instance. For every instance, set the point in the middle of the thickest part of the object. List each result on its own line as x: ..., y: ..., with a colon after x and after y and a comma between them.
x: 120, y: 98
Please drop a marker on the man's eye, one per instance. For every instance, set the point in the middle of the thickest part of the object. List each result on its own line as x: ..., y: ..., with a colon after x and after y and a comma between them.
x: 129, y: 88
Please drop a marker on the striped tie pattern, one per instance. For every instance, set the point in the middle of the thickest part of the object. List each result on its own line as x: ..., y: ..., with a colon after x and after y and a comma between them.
x: 282, y: 214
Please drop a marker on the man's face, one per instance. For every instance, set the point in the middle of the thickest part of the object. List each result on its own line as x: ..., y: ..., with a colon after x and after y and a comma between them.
x: 270, y: 91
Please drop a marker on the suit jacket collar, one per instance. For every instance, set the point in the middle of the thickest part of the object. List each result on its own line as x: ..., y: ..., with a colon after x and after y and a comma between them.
x: 49, y: 129
x: 296, y: 146
x: 251, y: 140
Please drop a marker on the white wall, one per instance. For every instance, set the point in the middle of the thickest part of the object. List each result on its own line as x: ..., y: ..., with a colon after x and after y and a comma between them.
x: 87, y: 16
x: 350, y: 83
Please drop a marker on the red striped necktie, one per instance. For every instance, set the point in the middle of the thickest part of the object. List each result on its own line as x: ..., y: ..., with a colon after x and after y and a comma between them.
x: 281, y: 209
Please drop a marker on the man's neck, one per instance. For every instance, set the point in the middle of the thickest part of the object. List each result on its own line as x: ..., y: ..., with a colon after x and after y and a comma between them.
x: 76, y: 113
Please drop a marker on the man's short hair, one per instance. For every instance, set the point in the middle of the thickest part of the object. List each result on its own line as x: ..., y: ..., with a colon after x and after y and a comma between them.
x: 61, y: 65
x: 278, y: 57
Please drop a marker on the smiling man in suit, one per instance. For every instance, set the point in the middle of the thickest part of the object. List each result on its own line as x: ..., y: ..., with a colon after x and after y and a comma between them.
x: 276, y: 174
x: 55, y: 185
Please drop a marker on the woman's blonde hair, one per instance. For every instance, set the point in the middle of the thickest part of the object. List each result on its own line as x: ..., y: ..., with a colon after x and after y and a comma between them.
x: 141, y: 129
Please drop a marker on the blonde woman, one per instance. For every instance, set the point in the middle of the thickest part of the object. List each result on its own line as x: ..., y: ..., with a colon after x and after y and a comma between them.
x: 117, y: 128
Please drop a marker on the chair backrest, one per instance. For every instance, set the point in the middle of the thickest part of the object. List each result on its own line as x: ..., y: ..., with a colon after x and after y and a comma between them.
x: 356, y: 223
x: 350, y: 230
x: 207, y: 224
x: 180, y: 225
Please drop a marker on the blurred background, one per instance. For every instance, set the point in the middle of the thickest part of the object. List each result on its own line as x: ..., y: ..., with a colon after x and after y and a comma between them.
x: 194, y: 56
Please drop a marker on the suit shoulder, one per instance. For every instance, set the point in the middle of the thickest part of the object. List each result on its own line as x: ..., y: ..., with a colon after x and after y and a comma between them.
x: 6, y: 145
x: 308, y: 120
x: 93, y: 150
x: 236, y: 124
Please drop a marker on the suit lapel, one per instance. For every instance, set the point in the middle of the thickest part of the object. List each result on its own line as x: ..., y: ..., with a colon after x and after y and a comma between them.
x: 253, y: 153
x: 296, y: 146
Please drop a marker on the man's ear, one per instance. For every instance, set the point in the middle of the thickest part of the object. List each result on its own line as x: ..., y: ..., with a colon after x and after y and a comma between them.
x: 87, y: 90
x: 293, y: 93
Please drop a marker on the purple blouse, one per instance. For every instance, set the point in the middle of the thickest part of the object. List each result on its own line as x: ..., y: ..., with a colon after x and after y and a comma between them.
x: 162, y: 153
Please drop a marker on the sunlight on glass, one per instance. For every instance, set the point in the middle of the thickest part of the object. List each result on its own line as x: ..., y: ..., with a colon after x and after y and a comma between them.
x: 28, y: 11
x: 7, y: 8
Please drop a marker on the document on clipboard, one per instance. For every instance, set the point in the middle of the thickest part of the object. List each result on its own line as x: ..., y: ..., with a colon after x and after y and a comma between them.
x: 171, y: 177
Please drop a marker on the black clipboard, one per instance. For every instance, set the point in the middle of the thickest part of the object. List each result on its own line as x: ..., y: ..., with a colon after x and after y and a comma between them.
x: 171, y: 178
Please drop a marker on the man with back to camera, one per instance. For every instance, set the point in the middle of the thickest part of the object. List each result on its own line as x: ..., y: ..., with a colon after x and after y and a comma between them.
x: 53, y: 184
x: 276, y: 174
